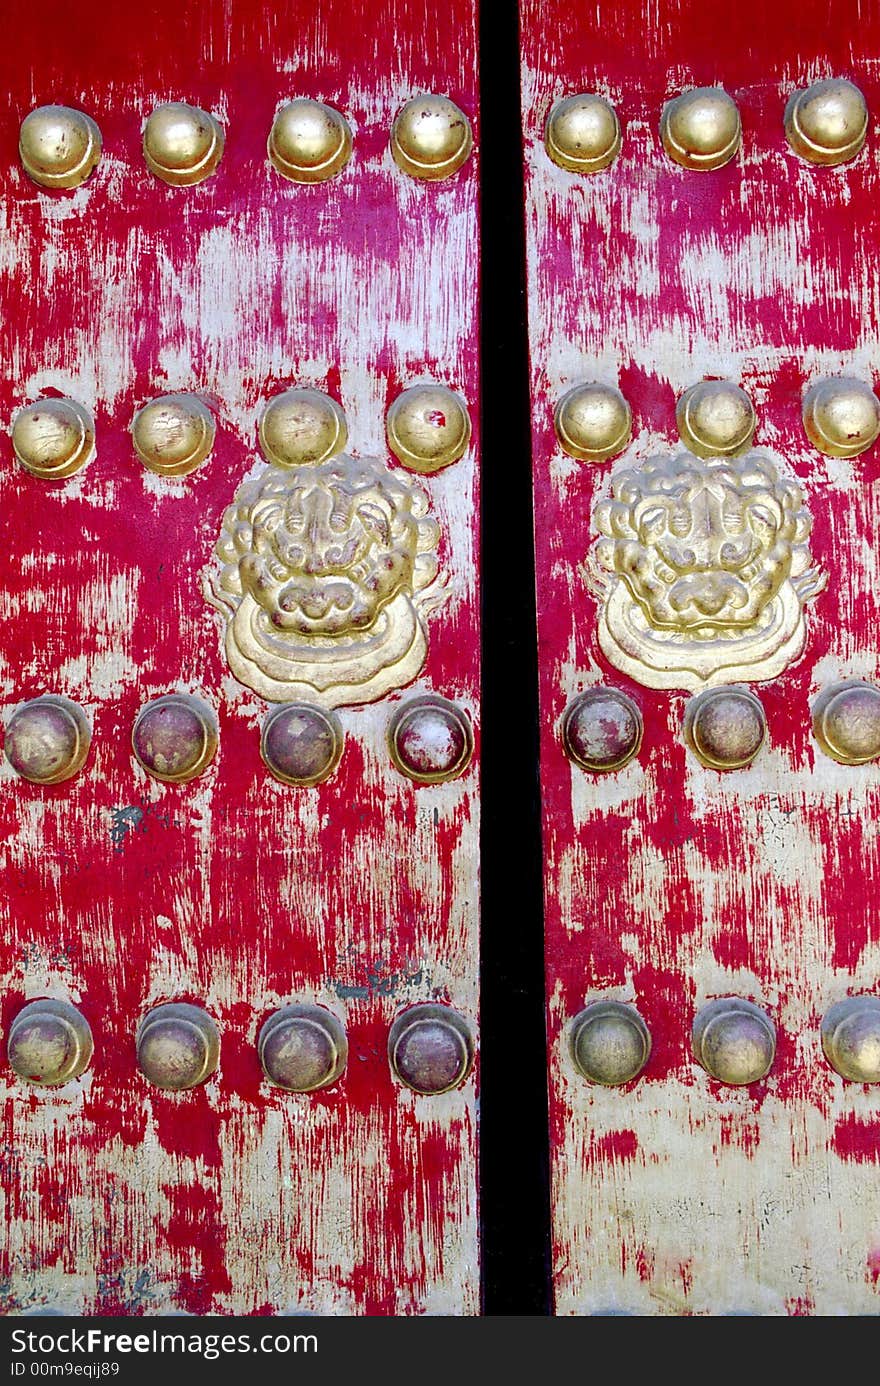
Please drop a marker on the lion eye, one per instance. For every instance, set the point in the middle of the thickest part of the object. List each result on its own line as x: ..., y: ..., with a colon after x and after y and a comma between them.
x: 373, y: 519
x: 652, y: 522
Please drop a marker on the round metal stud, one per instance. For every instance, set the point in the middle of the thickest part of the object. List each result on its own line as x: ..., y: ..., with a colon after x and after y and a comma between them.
x: 309, y: 142
x: 59, y: 146
x: 178, y: 1046
x: 182, y: 144
x: 301, y: 427
x: 49, y: 1043
x: 593, y: 422
x: 602, y: 729
x: 716, y: 419
x: 47, y: 740
x: 431, y: 138
x: 430, y: 739
x: 701, y: 128
x: 301, y: 744
x: 841, y: 416
x: 175, y: 738
x: 725, y: 727
x: 846, y: 722
x: 430, y: 1048
x: 428, y: 428
x: 734, y: 1040
x: 53, y: 438
x: 610, y: 1043
x: 174, y: 434
x: 582, y: 133
x: 303, y: 1048
x: 827, y: 122
x: 851, y: 1038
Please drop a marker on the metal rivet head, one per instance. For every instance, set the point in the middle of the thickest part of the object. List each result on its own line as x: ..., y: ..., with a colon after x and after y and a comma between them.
x: 827, y: 122
x: 59, y: 147
x: 428, y: 427
x: 53, y: 438
x: 309, y: 142
x: 302, y: 1048
x: 841, y: 416
x: 716, y: 419
x: 50, y: 1043
x: 430, y: 739
x: 430, y: 1048
x: 178, y: 1046
x: 846, y: 722
x: 47, y: 740
x: 582, y: 133
x: 175, y: 738
x: 602, y: 729
x: 174, y: 434
x: 593, y: 422
x: 431, y: 138
x: 725, y: 727
x: 851, y: 1038
x: 301, y: 744
x: 734, y: 1040
x: 701, y: 129
x: 302, y: 427
x: 610, y: 1043
x: 182, y: 144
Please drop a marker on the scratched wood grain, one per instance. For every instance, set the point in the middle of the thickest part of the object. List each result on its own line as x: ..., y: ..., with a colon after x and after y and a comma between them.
x: 668, y: 884
x: 233, y: 891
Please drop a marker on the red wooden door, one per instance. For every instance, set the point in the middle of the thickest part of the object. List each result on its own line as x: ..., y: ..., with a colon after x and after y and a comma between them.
x: 239, y: 1156
x: 708, y: 630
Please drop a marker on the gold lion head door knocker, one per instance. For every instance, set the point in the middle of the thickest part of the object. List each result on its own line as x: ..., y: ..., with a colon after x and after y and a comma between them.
x: 703, y: 566
x: 328, y: 572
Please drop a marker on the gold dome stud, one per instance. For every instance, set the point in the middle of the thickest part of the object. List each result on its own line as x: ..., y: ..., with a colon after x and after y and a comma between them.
x: 827, y: 123
x: 734, y: 1041
x: 846, y: 722
x: 59, y: 146
x: 716, y: 419
x: 309, y: 142
x: 175, y: 738
x: 47, y: 740
x: 610, y: 1043
x: 428, y: 428
x: 725, y: 727
x: 430, y: 739
x: 430, y: 1048
x: 50, y: 1043
x: 582, y: 133
x: 593, y: 422
x: 841, y: 416
x: 701, y: 128
x: 182, y: 144
x: 172, y: 435
x: 303, y: 1048
x: 301, y: 744
x: 302, y: 427
x: 431, y: 138
x: 602, y: 730
x: 851, y: 1038
x: 178, y: 1046
x: 53, y: 438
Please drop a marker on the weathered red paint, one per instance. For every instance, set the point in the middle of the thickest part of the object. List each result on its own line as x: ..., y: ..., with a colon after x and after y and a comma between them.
x: 256, y: 899
x: 761, y: 271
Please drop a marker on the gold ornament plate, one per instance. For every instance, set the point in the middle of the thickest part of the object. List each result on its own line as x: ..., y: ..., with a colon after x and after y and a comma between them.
x: 703, y: 566
x: 328, y: 573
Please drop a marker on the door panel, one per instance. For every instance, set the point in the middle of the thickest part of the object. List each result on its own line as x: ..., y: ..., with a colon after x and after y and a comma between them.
x: 246, y: 584
x: 684, y: 1181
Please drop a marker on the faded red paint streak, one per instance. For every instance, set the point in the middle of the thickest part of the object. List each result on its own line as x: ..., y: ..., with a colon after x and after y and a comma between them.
x: 614, y: 1146
x: 120, y: 856
x: 855, y: 1140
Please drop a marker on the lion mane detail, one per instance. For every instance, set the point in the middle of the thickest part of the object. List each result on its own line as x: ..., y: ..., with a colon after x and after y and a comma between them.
x: 703, y: 567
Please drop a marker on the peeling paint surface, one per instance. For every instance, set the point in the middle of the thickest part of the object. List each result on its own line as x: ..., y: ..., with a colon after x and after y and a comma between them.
x: 668, y: 884
x: 232, y: 891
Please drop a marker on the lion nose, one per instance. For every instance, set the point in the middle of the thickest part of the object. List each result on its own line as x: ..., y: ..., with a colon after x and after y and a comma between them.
x: 708, y: 592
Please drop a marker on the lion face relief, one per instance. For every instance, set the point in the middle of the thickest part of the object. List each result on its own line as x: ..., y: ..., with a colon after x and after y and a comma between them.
x: 325, y: 579
x: 704, y: 567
